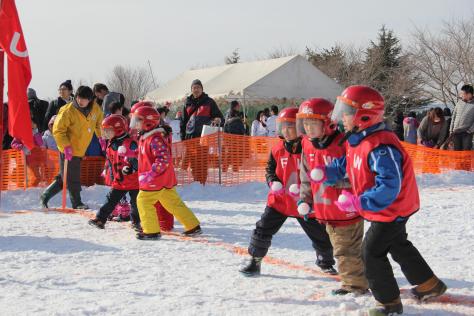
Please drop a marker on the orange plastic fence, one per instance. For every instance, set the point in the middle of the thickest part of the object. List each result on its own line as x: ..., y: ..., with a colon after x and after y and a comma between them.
x: 215, y: 159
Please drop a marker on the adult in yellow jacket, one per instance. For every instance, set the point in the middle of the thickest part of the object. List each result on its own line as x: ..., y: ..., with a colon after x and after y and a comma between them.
x: 73, y: 129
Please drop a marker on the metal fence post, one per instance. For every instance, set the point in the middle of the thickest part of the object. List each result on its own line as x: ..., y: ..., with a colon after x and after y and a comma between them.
x: 219, y: 150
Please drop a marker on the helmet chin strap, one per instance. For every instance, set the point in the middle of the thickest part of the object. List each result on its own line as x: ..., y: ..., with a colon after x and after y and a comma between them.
x: 347, y: 135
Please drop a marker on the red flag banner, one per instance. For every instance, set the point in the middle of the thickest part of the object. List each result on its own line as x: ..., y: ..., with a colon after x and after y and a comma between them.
x: 12, y: 42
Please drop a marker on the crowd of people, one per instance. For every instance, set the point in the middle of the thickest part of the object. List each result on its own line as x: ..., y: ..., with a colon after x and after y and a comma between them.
x: 439, y: 128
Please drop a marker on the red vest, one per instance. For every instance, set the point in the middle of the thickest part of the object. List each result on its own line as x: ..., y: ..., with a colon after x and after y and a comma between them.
x: 362, y: 178
x: 115, y: 162
x: 287, y: 170
x: 146, y: 159
x: 324, y: 195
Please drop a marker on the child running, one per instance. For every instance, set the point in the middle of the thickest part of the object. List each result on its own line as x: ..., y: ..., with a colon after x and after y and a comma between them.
x: 122, y: 162
x: 157, y: 179
x: 346, y: 230
x: 282, y: 174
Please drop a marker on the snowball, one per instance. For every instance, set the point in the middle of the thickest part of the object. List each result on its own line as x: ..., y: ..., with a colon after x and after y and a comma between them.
x: 294, y: 188
x: 276, y: 186
x: 317, y: 174
x: 122, y: 150
x: 303, y: 209
x: 342, y: 198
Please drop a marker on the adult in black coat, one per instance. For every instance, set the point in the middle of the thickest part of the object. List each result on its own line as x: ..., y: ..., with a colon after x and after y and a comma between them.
x: 65, y: 96
x: 38, y: 109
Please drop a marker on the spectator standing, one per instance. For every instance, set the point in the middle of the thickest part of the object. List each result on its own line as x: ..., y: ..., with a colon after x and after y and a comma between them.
x: 104, y: 97
x: 259, y: 126
x: 198, y: 111
x: 271, y: 121
x: 462, y: 123
x: 65, y: 96
x: 73, y: 130
x: 38, y: 109
x: 433, y: 129
x: 410, y: 126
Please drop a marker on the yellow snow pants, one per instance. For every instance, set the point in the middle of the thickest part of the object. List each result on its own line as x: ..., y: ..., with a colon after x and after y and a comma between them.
x: 171, y: 201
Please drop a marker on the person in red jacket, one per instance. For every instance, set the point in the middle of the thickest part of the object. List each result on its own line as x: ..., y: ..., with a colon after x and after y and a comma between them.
x: 346, y: 230
x: 384, y: 192
x: 122, y: 162
x: 282, y: 174
x: 157, y: 179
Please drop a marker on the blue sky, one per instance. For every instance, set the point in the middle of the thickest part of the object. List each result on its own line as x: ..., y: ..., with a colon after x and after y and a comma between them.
x: 85, y: 39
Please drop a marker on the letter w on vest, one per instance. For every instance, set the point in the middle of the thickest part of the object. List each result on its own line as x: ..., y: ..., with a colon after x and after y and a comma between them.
x: 357, y: 162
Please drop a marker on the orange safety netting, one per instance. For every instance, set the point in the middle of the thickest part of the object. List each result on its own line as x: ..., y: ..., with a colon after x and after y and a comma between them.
x: 215, y: 159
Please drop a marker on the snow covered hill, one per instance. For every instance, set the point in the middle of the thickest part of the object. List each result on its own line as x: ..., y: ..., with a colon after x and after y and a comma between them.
x: 56, y: 264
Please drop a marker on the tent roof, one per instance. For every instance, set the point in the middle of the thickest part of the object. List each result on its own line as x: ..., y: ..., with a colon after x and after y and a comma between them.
x: 290, y: 77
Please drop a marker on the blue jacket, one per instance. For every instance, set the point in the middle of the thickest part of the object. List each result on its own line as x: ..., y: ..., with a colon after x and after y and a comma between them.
x: 384, y: 161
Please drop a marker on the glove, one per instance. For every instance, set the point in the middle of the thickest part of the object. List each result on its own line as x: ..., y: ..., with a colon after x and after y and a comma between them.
x: 103, y: 174
x: 17, y: 144
x: 294, y: 190
x: 126, y: 170
x: 146, y: 178
x: 348, y: 202
x: 318, y: 174
x: 103, y: 143
x: 68, y: 152
x: 276, y: 187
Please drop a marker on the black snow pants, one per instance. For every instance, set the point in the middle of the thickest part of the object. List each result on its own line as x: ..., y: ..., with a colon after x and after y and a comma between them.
x: 382, y: 239
x: 272, y: 220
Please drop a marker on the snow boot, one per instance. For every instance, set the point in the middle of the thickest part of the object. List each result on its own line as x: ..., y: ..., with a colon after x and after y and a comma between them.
x: 97, y: 223
x: 53, y: 189
x: 392, y: 308
x: 76, y: 201
x: 253, y: 267
x: 328, y: 269
x: 193, y: 232
x: 143, y: 236
x: 432, y: 288
x: 344, y: 290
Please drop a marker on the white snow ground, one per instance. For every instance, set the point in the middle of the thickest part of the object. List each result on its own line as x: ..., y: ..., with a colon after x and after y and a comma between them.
x: 56, y: 264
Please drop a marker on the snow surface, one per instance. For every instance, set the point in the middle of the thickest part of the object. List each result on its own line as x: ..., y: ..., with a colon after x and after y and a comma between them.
x: 56, y: 264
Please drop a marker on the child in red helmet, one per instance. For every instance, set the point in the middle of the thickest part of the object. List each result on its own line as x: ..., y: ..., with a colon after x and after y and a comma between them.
x: 122, y: 162
x: 384, y: 192
x: 346, y: 230
x: 282, y: 174
x: 157, y: 179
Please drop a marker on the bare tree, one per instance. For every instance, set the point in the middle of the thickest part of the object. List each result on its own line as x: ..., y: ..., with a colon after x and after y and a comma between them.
x: 134, y: 83
x: 445, y: 60
x: 281, y: 52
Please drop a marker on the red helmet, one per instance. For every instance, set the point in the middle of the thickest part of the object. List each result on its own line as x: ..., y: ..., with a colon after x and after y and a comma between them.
x: 365, y: 103
x: 286, y: 117
x: 316, y: 109
x: 139, y: 105
x: 114, y: 125
x: 149, y: 117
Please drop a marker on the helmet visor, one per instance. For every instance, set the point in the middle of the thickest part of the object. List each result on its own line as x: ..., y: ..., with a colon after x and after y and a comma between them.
x: 310, y: 126
x: 108, y: 132
x: 286, y: 128
x: 135, y: 122
x: 341, y: 109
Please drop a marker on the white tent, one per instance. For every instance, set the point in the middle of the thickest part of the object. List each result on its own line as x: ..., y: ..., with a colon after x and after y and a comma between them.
x: 290, y: 77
